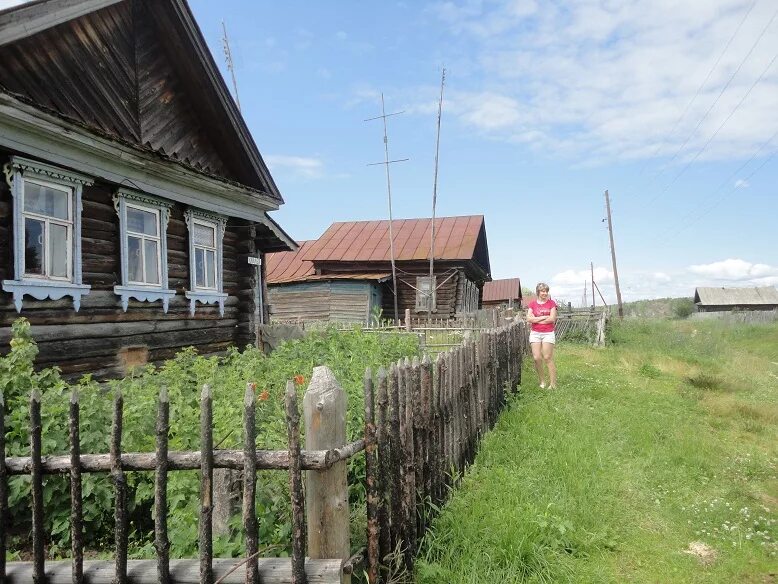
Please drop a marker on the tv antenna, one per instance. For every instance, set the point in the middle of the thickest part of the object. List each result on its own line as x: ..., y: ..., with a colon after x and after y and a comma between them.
x: 230, y: 63
x: 386, y: 164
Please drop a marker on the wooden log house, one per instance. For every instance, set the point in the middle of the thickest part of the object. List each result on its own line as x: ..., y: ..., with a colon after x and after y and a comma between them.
x: 504, y: 293
x: 133, y: 193
x: 346, y: 274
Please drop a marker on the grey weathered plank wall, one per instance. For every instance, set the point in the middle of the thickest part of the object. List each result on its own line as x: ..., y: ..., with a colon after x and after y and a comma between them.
x: 96, y: 339
x: 338, y: 301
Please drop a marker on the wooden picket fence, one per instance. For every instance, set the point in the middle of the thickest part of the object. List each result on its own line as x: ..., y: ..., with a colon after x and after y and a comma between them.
x: 423, y: 423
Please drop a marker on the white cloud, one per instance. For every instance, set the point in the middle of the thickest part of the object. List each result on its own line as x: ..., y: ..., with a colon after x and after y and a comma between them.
x: 605, y: 80
x: 578, y: 277
x: 735, y: 270
x: 661, y: 277
x: 297, y: 165
x: 742, y: 184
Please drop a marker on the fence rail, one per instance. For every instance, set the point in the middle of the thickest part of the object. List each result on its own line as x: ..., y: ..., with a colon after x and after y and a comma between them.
x: 423, y: 422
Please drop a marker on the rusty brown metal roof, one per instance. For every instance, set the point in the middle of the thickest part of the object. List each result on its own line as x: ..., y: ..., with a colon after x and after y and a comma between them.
x: 358, y: 241
x: 288, y: 266
x: 499, y: 290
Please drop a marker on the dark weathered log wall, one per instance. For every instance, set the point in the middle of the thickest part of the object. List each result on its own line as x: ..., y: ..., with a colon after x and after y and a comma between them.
x: 103, y: 339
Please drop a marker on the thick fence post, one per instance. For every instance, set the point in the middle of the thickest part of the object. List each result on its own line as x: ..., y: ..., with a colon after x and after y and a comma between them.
x: 326, y: 494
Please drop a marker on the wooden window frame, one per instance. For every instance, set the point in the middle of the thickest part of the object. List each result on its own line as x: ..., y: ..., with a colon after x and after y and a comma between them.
x: 143, y: 291
x: 421, y: 305
x: 143, y: 238
x: 206, y: 295
x: 43, y: 286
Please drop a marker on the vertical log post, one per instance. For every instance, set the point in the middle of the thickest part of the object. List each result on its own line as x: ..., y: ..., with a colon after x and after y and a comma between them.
x: 408, y: 325
x: 161, y: 542
x: 411, y: 467
x: 384, y: 467
x: 371, y: 472
x: 37, y: 487
x: 250, y: 483
x: 3, y: 488
x: 438, y: 438
x: 296, y: 485
x: 76, y: 509
x: 205, y: 524
x: 397, y: 457
x: 326, y: 495
x: 427, y: 432
x: 120, y: 491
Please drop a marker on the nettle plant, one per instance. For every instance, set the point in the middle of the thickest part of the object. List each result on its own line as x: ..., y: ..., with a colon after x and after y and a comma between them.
x: 347, y: 353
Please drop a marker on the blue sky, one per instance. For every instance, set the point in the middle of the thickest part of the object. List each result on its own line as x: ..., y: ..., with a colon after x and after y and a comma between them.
x: 668, y: 105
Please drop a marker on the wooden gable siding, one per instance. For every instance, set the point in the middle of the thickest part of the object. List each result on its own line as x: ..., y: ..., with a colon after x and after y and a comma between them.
x: 98, y: 338
x: 109, y: 71
x: 335, y: 301
x: 447, y: 296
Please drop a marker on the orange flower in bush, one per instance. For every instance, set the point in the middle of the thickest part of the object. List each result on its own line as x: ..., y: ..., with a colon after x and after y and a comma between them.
x: 298, y: 379
x: 264, y: 395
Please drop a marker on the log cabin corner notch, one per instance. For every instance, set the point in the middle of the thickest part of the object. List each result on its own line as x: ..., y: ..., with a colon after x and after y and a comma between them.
x: 134, y: 192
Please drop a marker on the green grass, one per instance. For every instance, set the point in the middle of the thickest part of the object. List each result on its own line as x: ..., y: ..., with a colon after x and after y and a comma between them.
x: 669, y: 436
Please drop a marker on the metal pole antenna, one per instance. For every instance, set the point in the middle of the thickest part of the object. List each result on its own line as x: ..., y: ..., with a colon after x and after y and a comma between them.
x: 613, y: 255
x: 591, y: 264
x: 435, y: 198
x: 386, y: 163
x: 230, y: 65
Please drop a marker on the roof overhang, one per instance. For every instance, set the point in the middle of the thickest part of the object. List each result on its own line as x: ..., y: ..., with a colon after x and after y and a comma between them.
x: 29, y: 130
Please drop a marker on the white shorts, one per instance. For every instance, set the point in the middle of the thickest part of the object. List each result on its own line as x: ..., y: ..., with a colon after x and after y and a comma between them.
x: 536, y: 337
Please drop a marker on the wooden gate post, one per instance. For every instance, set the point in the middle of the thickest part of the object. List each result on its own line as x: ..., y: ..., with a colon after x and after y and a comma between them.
x: 326, y: 493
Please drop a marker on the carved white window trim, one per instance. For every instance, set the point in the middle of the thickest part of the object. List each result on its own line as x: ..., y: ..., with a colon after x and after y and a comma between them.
x: 215, y: 295
x: 16, y: 172
x: 423, y: 296
x: 143, y: 292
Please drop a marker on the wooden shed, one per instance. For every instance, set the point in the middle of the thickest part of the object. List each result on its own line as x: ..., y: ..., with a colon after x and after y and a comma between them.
x: 727, y: 299
x: 359, y: 251
x: 504, y: 293
x: 134, y: 194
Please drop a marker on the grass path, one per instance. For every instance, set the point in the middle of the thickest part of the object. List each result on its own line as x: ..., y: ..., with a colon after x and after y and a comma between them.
x: 668, y: 437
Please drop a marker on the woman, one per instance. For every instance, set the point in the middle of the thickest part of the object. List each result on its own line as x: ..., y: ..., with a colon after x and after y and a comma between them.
x: 541, y: 314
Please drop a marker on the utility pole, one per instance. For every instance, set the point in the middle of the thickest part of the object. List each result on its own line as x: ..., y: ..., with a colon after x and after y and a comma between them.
x: 591, y: 264
x: 613, y: 255
x: 434, y: 201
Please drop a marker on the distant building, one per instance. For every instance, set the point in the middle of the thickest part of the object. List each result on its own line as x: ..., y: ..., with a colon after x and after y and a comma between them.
x: 727, y: 299
x: 505, y: 293
x: 346, y: 274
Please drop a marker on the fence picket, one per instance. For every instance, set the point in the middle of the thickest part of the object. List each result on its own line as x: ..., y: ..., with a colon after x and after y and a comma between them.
x: 250, y: 530
x: 161, y: 542
x: 76, y: 509
x: 3, y: 488
x: 397, y: 457
x: 205, y: 524
x: 372, y: 480
x: 384, y: 467
x: 120, y: 490
x: 295, y: 486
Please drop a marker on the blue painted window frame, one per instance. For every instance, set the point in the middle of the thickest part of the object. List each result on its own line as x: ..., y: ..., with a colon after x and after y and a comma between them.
x: 206, y: 295
x: 143, y: 292
x: 16, y: 172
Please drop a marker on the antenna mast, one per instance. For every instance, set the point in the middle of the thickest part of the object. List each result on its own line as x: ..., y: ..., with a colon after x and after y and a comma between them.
x: 386, y: 164
x: 230, y: 64
x: 434, y: 200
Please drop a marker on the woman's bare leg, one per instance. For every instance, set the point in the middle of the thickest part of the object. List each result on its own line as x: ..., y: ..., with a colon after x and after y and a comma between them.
x: 547, y: 350
x: 537, y: 357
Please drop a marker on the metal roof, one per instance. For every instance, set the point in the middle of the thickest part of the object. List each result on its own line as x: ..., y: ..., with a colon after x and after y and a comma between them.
x: 287, y: 267
x: 499, y: 290
x: 354, y: 241
x: 736, y: 296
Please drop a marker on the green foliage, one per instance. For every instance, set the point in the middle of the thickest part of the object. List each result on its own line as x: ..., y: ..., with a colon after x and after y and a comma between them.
x: 683, y: 307
x: 347, y: 353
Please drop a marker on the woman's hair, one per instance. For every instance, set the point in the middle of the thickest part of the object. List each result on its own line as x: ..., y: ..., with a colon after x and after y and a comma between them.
x: 541, y: 286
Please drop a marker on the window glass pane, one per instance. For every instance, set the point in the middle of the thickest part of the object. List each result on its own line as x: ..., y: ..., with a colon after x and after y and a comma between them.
x: 204, y: 235
x: 210, y: 273
x: 134, y: 260
x: 199, y: 268
x: 46, y: 200
x: 33, y: 246
x: 152, y: 262
x: 58, y: 251
x: 139, y: 221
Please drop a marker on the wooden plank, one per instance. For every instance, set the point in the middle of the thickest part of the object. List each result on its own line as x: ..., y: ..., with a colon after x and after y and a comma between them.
x: 295, y: 486
x: 250, y: 531
x: 205, y: 523
x: 120, y: 487
x: 76, y: 509
x: 161, y: 541
x: 271, y: 571
x: 36, y: 474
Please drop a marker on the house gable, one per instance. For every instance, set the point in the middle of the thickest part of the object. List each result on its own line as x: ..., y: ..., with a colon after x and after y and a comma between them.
x: 136, y: 71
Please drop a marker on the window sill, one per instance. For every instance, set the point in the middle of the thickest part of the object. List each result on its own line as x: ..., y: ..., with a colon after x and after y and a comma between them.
x: 143, y: 294
x: 43, y: 289
x: 206, y: 297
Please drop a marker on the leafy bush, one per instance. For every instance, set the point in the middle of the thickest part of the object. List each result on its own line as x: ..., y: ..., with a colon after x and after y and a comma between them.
x: 346, y: 353
x: 683, y: 307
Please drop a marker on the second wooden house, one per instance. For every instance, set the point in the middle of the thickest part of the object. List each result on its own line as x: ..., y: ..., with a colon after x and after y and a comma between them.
x: 346, y: 275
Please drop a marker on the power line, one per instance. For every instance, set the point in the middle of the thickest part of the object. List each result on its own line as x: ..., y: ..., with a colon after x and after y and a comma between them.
x: 715, y: 101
